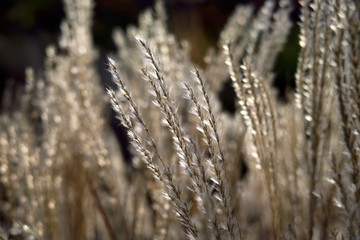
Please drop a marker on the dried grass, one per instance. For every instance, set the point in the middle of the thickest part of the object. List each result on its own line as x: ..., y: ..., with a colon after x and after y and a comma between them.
x: 61, y: 177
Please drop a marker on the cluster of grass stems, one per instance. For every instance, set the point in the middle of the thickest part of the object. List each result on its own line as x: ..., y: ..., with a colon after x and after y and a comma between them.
x: 63, y: 176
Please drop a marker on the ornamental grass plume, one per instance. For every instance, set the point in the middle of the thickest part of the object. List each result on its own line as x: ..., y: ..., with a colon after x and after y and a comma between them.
x: 62, y: 176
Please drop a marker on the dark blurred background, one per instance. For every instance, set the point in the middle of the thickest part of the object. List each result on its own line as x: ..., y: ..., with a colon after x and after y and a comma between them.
x: 27, y: 27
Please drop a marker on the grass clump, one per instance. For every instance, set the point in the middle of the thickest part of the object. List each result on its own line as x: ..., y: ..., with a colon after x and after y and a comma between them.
x: 63, y: 178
